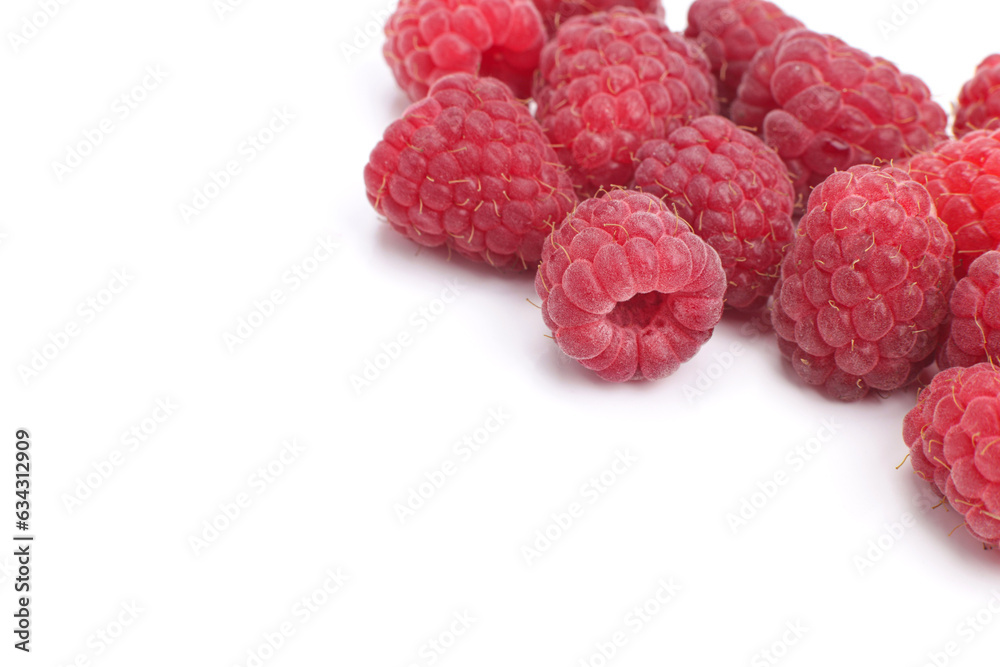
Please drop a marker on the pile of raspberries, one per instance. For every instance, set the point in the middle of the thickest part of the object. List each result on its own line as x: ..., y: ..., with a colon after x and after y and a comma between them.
x: 655, y: 180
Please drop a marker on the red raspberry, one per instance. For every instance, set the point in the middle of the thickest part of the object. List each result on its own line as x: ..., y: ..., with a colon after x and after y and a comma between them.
x: 428, y: 39
x: 628, y: 289
x: 734, y: 191
x: 864, y: 289
x: 979, y: 101
x: 731, y: 32
x: 974, y: 331
x: 469, y: 168
x: 963, y: 176
x: 555, y: 12
x: 954, y: 440
x: 826, y: 106
x: 610, y: 82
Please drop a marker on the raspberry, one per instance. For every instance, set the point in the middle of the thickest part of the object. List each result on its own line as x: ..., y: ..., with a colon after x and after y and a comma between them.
x: 953, y: 435
x: 610, y: 82
x: 734, y: 191
x: 974, y: 335
x: 864, y: 289
x: 826, y: 106
x: 627, y: 288
x: 428, y: 39
x: 555, y: 12
x: 963, y: 176
x: 731, y: 32
x: 979, y: 101
x: 469, y: 168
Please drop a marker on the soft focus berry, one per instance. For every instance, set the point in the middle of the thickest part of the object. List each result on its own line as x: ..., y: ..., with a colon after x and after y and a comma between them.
x: 429, y: 39
x: 979, y: 102
x: 731, y: 32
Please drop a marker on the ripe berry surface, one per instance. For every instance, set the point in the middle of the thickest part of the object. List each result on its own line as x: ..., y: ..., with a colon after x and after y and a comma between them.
x: 611, y: 81
x: 469, y: 168
x: 963, y: 176
x: 863, y: 292
x: 954, y: 439
x: 628, y: 289
x: 826, y: 106
x: 734, y: 191
x: 429, y: 39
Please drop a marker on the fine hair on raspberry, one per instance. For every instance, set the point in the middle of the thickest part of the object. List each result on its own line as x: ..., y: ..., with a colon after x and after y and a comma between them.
x: 734, y: 191
x: 974, y: 328
x: 732, y: 32
x: 627, y: 288
x: 963, y: 177
x: 429, y: 39
x: 611, y: 81
x: 954, y: 439
x: 863, y: 292
x: 979, y: 101
x: 826, y: 106
x: 468, y: 168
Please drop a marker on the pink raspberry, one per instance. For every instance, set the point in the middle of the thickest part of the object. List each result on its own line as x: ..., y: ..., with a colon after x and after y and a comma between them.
x: 468, y: 168
x: 734, y: 191
x: 954, y: 439
x: 731, y: 32
x: 612, y: 81
x: 963, y: 176
x: 864, y: 289
x: 555, y: 12
x: 979, y: 101
x: 826, y: 106
x: 628, y: 289
x: 429, y: 39
x: 974, y: 331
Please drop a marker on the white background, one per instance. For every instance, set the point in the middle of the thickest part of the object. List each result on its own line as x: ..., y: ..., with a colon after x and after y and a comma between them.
x: 697, y: 457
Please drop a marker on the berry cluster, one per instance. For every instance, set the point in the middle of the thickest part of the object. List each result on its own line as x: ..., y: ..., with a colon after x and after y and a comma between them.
x: 659, y: 179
